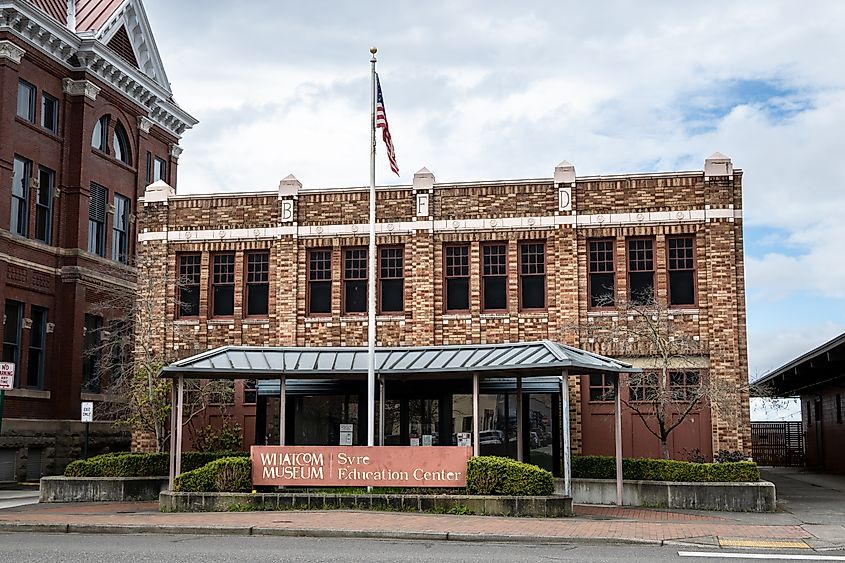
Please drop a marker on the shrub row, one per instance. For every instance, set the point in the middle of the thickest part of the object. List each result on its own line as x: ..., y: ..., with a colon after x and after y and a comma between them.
x: 604, y: 467
x: 125, y: 464
x: 225, y: 475
x: 491, y: 475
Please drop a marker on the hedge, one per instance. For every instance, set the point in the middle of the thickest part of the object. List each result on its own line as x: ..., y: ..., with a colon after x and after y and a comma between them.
x: 491, y: 475
x: 125, y: 464
x: 225, y: 475
x: 604, y: 467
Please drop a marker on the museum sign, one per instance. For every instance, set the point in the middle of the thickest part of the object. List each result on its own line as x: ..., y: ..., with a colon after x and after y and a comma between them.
x: 378, y: 466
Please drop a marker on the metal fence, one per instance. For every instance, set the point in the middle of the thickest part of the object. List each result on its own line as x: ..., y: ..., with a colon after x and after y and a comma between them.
x: 778, y: 443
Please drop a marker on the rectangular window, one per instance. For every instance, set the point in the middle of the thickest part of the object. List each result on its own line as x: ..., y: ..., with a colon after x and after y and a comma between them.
x: 21, y: 174
x: 50, y: 113
x: 37, y: 342
x: 685, y: 386
x: 44, y: 205
x: 355, y: 280
x: 223, y: 285
x: 148, y: 178
x: 319, y: 281
x: 391, y: 279
x: 250, y: 391
x: 92, y: 340
x: 532, y: 275
x: 602, y: 388
x: 641, y: 271
x: 257, y: 283
x: 457, y: 278
x: 26, y: 100
x: 160, y: 170
x: 120, y: 230
x: 644, y: 387
x: 12, y: 336
x: 602, y: 275
x: 97, y: 220
x: 494, y: 276
x: 681, y: 256
x: 189, y: 285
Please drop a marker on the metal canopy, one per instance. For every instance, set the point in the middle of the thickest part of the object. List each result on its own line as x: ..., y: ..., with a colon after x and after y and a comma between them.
x: 526, y: 359
x: 807, y: 373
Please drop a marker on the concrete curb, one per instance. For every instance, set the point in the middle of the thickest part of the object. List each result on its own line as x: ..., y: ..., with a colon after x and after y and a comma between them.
x: 69, y: 528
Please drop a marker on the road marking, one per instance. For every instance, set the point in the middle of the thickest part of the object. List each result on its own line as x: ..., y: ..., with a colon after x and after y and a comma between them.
x: 789, y: 557
x: 763, y: 544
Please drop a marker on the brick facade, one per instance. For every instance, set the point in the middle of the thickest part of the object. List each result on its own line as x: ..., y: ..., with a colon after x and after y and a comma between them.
x: 54, y: 277
x: 510, y: 212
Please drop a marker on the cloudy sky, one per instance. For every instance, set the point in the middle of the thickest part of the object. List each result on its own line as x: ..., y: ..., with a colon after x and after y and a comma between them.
x: 494, y: 90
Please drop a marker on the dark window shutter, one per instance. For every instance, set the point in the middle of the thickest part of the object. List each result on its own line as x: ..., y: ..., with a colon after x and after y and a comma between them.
x: 97, y: 208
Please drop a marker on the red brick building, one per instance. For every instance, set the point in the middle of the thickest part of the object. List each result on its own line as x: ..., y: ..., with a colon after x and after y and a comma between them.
x: 87, y: 120
x: 460, y: 263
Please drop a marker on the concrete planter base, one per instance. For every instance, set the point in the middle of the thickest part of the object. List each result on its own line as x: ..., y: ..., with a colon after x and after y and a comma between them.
x: 546, y: 507
x: 732, y: 497
x: 101, y: 489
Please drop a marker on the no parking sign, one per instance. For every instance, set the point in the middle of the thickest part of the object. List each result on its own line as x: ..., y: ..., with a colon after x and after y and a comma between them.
x: 7, y: 375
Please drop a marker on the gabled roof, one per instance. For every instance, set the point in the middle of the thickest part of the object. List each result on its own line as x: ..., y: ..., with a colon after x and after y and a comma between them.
x: 525, y: 358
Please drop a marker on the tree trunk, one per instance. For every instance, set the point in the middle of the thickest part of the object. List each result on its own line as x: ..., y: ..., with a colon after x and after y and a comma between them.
x: 664, y: 447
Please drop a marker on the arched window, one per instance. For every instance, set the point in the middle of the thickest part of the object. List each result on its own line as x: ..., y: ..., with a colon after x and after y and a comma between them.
x: 100, y: 135
x: 120, y: 144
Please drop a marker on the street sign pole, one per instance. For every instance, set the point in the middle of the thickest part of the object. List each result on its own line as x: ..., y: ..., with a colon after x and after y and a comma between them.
x: 87, y: 415
x: 2, y: 404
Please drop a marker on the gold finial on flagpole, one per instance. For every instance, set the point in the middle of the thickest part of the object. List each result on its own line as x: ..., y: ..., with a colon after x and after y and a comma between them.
x: 373, y: 50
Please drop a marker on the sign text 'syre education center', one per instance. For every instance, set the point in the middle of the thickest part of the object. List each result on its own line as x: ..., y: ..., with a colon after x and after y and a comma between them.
x: 387, y: 466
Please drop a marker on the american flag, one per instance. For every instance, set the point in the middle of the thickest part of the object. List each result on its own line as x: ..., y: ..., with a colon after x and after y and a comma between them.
x: 381, y: 121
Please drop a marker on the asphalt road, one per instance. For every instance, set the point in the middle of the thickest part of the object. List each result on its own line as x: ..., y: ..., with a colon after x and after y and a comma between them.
x: 25, y: 548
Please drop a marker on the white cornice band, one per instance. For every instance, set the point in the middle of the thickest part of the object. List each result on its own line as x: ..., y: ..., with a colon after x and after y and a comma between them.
x: 447, y: 226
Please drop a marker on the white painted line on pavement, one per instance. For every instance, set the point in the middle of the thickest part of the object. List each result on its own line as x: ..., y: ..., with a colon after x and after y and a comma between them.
x: 790, y: 557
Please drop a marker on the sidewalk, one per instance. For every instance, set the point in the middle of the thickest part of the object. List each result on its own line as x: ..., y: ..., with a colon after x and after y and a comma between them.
x: 591, y: 524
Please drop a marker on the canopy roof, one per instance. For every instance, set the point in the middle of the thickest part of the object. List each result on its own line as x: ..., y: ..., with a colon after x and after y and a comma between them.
x: 540, y: 358
x: 805, y: 374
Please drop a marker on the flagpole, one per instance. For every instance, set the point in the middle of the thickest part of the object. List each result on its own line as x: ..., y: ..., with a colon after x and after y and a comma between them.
x: 371, y: 262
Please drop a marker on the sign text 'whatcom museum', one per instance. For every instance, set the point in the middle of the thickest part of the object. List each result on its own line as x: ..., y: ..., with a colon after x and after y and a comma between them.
x: 379, y: 466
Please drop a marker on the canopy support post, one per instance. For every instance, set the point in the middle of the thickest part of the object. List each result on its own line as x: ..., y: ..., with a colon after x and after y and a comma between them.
x: 381, y: 409
x: 617, y: 415
x: 520, y: 427
x: 282, y: 410
x: 567, y: 447
x: 476, y: 447
x: 180, y: 402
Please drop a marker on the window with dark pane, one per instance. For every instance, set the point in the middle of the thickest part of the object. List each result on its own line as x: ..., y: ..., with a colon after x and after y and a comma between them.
x: 257, y: 283
x: 602, y: 277
x: 26, y: 100
x: 392, y: 279
x: 159, y: 169
x: 223, y: 285
x: 120, y: 230
x: 189, y: 285
x: 50, y: 113
x: 602, y: 388
x: 99, y: 137
x: 685, y: 385
x: 681, y: 256
x: 44, y: 205
x: 644, y: 387
x: 494, y: 276
x: 250, y: 391
x: 355, y: 280
x: 12, y: 334
x: 457, y: 277
x: 97, y: 220
x: 641, y: 271
x: 37, y: 340
x: 532, y: 275
x: 19, y: 221
x: 120, y: 144
x: 92, y: 341
x: 319, y: 281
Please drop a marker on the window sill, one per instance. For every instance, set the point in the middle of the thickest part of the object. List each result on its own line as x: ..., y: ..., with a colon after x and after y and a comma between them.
x: 604, y: 313
x: 101, y: 397
x: 112, y: 159
x: 457, y: 316
x: 187, y: 321
x: 28, y: 393
x: 534, y: 313
x: 38, y: 129
x: 319, y: 319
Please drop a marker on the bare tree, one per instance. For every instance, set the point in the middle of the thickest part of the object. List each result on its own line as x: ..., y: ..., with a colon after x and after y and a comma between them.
x: 125, y: 352
x: 674, y: 383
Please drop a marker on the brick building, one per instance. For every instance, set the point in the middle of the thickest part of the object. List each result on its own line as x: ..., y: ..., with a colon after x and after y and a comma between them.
x: 459, y: 263
x: 87, y: 120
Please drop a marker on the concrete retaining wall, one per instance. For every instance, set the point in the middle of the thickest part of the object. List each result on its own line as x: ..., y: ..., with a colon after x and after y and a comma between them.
x: 734, y: 497
x: 549, y: 507
x: 101, y: 489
